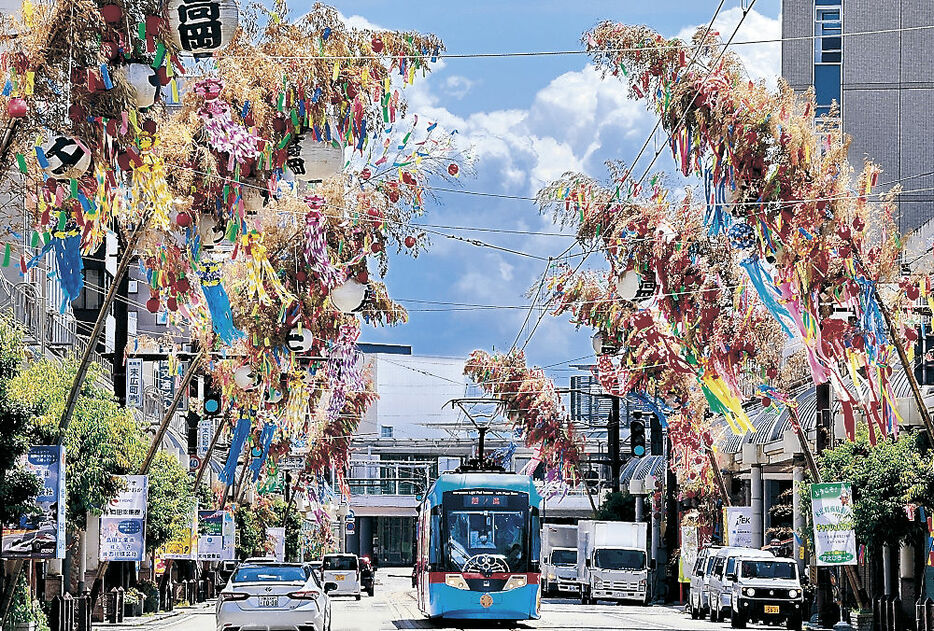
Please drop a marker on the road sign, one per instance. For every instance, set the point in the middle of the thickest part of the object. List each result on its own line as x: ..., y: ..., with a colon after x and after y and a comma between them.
x: 193, y: 463
x: 292, y: 463
x: 351, y: 517
x: 349, y: 527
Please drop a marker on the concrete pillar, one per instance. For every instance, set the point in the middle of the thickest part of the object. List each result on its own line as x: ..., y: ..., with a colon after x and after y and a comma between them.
x: 886, y: 569
x: 640, y: 507
x: 797, y: 519
x: 906, y: 575
x: 755, y: 492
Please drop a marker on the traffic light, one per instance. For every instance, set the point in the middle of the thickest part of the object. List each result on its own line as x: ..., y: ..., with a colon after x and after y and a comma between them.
x: 636, y: 434
x: 655, y: 435
x: 192, y: 419
x: 212, y: 398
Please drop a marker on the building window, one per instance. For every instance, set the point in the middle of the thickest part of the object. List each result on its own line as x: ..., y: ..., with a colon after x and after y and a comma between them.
x: 162, y: 317
x: 92, y: 295
x: 828, y: 53
x: 385, y: 431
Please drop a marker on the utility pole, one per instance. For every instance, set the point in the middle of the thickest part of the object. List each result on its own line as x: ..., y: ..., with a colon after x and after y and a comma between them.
x: 612, y: 443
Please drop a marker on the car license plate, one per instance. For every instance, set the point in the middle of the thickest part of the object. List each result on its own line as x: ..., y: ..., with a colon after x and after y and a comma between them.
x: 771, y: 609
x: 268, y: 601
x: 340, y: 577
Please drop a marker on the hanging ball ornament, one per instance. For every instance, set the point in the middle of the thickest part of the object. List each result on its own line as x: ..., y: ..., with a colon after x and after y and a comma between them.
x: 365, y: 174
x: 376, y: 44
x: 453, y: 169
x: 410, y: 241
x: 376, y: 247
x: 743, y: 236
x: 245, y: 378
x: 153, y: 305
x: 66, y: 157
x: 16, y: 107
x: 142, y: 84
x: 183, y: 219
x: 362, y: 276
x: 111, y: 13
x: 299, y: 340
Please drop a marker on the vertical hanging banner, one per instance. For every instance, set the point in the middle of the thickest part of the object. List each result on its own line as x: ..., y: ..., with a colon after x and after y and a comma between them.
x: 688, y: 552
x: 134, y: 382
x: 834, y: 523
x: 205, y: 434
x: 41, y: 536
x: 184, y: 547
x: 739, y: 526
x: 123, y: 523
x: 216, y: 535
x: 276, y: 536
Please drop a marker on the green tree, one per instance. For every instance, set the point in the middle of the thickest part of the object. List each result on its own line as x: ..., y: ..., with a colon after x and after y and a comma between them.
x: 171, y: 501
x: 251, y: 532
x: 617, y: 507
x: 18, y: 488
x: 102, y: 441
x: 885, y: 477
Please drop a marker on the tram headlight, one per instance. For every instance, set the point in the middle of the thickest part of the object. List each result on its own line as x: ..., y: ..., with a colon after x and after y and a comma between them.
x: 456, y: 581
x: 515, y: 582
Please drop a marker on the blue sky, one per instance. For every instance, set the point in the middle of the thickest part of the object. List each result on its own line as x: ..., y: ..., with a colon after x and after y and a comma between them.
x: 525, y: 121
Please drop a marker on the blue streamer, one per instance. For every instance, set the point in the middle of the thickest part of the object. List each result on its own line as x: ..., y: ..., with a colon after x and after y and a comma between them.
x: 236, y: 446
x: 768, y: 292
x: 653, y: 405
x: 218, y: 304
x: 265, y: 440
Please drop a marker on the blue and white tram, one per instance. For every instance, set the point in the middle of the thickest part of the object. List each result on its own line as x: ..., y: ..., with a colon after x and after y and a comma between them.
x: 478, y: 544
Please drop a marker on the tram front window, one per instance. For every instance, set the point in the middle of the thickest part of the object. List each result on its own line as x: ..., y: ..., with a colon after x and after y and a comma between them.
x: 487, y: 541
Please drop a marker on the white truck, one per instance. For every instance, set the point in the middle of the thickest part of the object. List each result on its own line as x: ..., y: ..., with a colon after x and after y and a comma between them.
x: 559, y: 559
x: 612, y: 561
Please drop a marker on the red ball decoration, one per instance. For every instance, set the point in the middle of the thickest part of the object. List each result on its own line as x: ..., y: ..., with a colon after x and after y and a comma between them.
x: 453, y: 169
x: 410, y: 241
x: 365, y: 174
x: 376, y: 247
x: 16, y: 107
x: 301, y: 276
x: 377, y: 45
x: 766, y: 402
x: 393, y: 196
x: 111, y: 13
x: 362, y: 276
x: 913, y: 292
x: 374, y: 213
x: 183, y: 219
x: 153, y: 305
x: 182, y: 286
x: 172, y: 304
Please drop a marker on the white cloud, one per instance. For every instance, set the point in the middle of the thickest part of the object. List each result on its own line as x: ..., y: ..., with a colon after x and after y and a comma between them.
x: 762, y: 61
x: 360, y: 22
x: 457, y: 86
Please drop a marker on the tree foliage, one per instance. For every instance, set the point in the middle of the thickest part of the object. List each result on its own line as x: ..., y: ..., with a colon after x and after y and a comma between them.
x: 171, y: 501
x: 885, y: 478
x: 18, y: 487
x: 618, y: 507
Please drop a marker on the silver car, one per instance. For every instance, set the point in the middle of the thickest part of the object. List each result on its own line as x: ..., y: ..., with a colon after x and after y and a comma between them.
x: 267, y: 596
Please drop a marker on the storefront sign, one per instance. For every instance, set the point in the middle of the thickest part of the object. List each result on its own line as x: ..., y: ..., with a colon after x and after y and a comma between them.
x: 834, y: 523
x: 134, y: 382
x: 739, y: 526
x: 123, y: 523
x: 41, y: 536
x: 216, y: 536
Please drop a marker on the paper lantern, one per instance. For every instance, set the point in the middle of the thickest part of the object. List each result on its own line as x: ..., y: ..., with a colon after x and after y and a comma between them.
x: 348, y: 297
x: 299, y: 340
x: 202, y: 27
x: 142, y: 84
x: 635, y: 288
x: 66, y: 157
x: 245, y: 378
x: 314, y: 161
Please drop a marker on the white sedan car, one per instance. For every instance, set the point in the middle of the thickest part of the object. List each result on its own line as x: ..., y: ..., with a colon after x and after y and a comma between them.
x: 280, y: 596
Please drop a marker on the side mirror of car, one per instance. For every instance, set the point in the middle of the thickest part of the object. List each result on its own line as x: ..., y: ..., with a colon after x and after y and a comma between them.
x: 329, y: 587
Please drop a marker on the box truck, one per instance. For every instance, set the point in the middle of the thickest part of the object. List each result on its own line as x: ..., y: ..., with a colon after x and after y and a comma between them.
x: 559, y: 559
x: 612, y: 561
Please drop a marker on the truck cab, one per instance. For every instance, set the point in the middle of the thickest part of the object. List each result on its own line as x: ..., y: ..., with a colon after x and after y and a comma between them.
x: 559, y: 559
x: 767, y: 590
x: 612, y: 563
x: 559, y: 570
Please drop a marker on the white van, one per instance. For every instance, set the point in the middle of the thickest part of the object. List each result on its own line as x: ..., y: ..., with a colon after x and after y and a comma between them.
x: 720, y: 583
x: 700, y: 574
x: 344, y: 571
x: 767, y: 590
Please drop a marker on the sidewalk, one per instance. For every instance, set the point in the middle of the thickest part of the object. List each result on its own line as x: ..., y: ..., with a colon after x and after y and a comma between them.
x: 154, y: 619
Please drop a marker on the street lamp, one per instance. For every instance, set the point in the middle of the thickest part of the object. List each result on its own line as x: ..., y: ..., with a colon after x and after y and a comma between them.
x: 348, y: 297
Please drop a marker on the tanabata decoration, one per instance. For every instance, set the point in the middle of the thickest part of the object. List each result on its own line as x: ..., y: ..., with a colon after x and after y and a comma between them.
x: 244, y: 200
x: 533, y: 405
